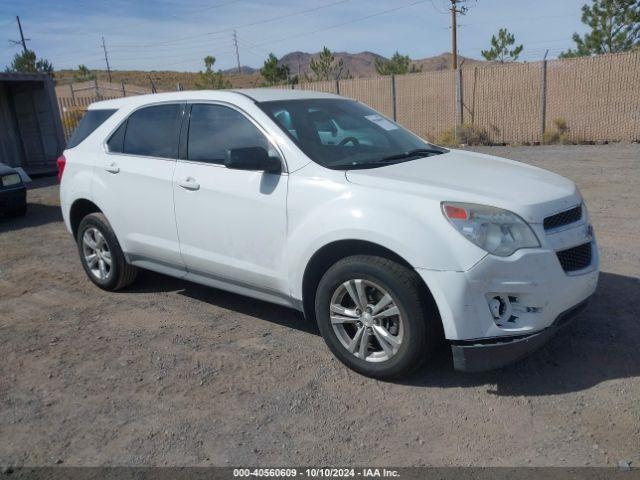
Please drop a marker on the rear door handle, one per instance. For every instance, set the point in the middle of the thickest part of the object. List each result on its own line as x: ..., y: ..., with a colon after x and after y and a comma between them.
x: 189, y: 183
x: 112, y: 167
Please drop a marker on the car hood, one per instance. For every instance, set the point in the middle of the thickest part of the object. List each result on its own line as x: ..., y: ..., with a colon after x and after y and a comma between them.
x: 464, y: 176
x: 6, y: 170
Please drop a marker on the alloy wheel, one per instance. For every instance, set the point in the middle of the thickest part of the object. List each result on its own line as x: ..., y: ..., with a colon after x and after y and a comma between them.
x: 97, y: 254
x: 366, y: 320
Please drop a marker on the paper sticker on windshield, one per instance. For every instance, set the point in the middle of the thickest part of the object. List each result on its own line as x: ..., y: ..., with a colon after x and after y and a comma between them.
x: 381, y: 122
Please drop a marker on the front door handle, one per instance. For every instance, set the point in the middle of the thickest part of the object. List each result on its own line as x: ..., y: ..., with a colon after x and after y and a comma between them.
x: 112, y: 168
x: 189, y: 183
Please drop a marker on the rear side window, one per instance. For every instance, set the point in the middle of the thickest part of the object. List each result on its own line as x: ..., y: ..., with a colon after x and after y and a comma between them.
x: 214, y: 129
x: 91, y: 120
x: 151, y: 132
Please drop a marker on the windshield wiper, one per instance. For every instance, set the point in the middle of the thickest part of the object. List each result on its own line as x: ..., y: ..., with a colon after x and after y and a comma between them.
x: 413, y: 153
x: 380, y: 162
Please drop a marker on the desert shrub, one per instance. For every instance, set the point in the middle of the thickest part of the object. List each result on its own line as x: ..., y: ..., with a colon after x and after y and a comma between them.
x: 558, y: 136
x: 465, y: 134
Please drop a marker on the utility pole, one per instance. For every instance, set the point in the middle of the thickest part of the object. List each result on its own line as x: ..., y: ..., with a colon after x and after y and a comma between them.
x: 235, y: 43
x: 24, y: 44
x: 454, y: 36
x: 455, y: 10
x: 22, y: 41
x: 106, y: 58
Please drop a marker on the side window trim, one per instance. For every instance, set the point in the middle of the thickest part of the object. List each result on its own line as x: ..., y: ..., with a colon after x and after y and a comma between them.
x: 183, y: 141
x: 183, y: 150
x: 125, y: 120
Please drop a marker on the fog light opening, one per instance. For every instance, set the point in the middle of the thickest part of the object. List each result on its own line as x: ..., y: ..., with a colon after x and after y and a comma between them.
x: 498, y: 307
x: 507, y: 309
x: 501, y: 307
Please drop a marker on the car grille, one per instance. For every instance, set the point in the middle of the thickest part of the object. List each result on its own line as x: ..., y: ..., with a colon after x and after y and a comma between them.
x: 575, y: 258
x: 563, y: 218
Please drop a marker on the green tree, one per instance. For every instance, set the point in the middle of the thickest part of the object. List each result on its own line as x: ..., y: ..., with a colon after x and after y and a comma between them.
x: 272, y: 72
x: 396, y: 65
x: 209, y: 79
x: 501, y: 48
x: 83, y: 74
x: 615, y: 27
x: 26, y: 62
x: 325, y: 67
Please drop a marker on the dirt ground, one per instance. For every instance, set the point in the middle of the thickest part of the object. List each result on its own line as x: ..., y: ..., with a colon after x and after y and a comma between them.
x: 172, y: 373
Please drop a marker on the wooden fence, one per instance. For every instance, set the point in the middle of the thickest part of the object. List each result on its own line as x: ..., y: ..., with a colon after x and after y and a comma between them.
x: 74, y: 98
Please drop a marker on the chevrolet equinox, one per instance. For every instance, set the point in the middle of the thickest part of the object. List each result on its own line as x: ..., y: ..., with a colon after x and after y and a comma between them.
x: 319, y: 203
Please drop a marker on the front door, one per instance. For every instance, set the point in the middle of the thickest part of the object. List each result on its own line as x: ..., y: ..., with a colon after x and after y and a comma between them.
x: 231, y: 223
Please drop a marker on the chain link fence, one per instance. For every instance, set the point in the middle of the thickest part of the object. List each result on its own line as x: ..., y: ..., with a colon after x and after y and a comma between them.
x: 598, y: 98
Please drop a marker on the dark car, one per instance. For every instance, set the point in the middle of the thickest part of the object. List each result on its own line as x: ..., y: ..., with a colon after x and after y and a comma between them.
x: 13, y: 193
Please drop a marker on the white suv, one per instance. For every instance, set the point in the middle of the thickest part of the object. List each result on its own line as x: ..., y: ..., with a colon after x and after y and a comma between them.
x: 319, y: 203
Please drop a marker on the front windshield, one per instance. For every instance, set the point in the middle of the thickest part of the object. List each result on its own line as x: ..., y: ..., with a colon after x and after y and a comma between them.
x: 344, y: 134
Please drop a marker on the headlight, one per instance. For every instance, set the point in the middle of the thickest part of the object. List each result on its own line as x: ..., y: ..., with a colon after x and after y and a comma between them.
x: 495, y: 230
x: 11, y: 180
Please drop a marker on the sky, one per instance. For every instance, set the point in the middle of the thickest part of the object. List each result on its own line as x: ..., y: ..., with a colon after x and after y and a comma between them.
x: 178, y: 34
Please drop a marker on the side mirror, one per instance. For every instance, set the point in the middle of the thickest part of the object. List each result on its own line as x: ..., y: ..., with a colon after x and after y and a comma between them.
x: 252, y: 158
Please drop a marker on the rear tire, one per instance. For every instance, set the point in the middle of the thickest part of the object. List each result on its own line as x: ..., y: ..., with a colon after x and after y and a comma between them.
x: 101, y: 255
x: 382, y: 325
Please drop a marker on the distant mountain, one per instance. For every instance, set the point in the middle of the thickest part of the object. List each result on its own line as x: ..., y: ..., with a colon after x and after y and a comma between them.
x: 357, y: 64
x: 443, y: 62
x: 244, y: 70
x: 363, y: 64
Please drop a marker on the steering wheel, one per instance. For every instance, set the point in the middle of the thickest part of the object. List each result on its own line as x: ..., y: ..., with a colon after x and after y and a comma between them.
x: 346, y: 140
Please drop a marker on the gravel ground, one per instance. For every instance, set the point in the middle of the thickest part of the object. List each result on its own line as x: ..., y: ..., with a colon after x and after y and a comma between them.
x: 171, y: 373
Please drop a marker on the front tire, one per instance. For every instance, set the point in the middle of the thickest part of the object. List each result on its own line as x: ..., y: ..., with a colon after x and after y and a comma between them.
x: 374, y: 317
x: 101, y: 255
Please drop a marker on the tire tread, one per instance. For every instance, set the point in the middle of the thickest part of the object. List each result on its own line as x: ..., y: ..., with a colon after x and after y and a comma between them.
x: 126, y: 272
x: 422, y: 305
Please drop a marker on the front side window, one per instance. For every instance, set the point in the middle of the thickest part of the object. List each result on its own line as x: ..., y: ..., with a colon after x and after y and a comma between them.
x: 151, y: 132
x: 344, y: 134
x: 115, y: 143
x: 91, y: 120
x: 215, y: 129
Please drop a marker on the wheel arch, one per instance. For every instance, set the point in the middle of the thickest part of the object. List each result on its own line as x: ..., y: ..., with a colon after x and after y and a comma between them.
x: 334, y: 251
x: 80, y: 208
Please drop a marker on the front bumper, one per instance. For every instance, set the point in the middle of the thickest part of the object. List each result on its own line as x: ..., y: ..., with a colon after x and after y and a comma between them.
x: 538, y: 294
x: 490, y: 354
x: 534, y: 278
x: 12, y: 199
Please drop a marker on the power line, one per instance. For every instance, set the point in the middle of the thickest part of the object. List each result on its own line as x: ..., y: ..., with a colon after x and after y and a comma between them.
x: 207, y: 48
x: 250, y: 47
x: 230, y: 29
x: 437, y: 9
x: 342, y: 24
x: 518, y: 20
x: 145, y: 22
x: 337, y: 25
x: 190, y: 45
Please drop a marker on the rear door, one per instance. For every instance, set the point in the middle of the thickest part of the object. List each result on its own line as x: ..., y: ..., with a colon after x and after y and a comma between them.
x: 231, y: 223
x: 135, y: 185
